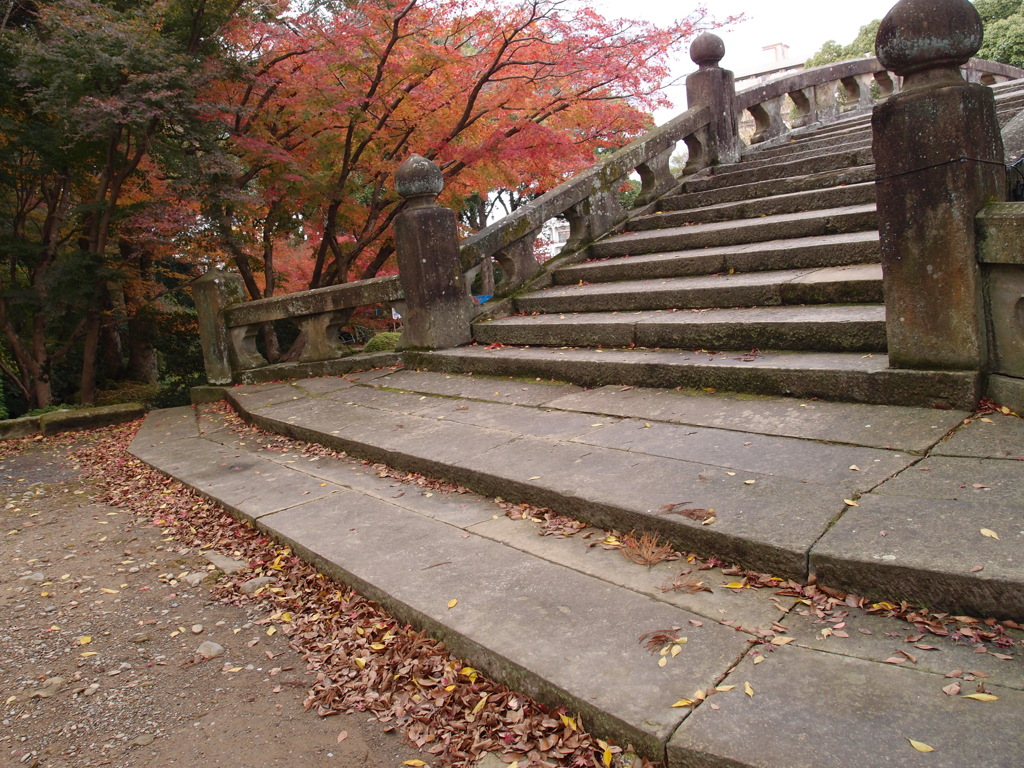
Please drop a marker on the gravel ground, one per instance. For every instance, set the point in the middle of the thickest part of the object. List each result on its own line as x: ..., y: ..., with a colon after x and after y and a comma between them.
x: 100, y: 621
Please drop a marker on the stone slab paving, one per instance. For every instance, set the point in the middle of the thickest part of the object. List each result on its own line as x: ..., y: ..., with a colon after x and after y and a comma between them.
x: 811, y: 709
x: 560, y: 619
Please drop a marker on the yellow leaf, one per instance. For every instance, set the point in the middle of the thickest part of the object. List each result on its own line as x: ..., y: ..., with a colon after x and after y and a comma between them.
x: 286, y: 617
x: 663, y: 661
x: 981, y: 697
x: 724, y: 688
x: 480, y: 704
x: 449, y: 687
x: 271, y: 630
x: 606, y: 758
x: 735, y: 585
x: 378, y: 646
x: 10, y: 699
x: 109, y: 591
x: 568, y: 722
x: 919, y: 746
x: 759, y: 659
x: 781, y: 640
x: 235, y: 669
x: 850, y: 503
x: 991, y: 534
x: 360, y: 662
x: 675, y: 650
x: 85, y: 640
x: 87, y: 654
x: 748, y: 689
x: 452, y: 603
x: 415, y: 763
x: 988, y: 421
x: 683, y: 703
x: 854, y: 468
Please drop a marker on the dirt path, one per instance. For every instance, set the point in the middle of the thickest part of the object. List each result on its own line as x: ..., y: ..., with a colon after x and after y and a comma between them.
x: 100, y: 621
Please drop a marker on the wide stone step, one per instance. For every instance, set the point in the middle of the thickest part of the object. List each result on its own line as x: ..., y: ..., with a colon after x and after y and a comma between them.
x: 856, y: 284
x: 759, y: 189
x: 797, y: 253
x: 794, y: 202
x: 830, y: 221
x: 779, y: 170
x: 852, y: 377
x: 838, y: 328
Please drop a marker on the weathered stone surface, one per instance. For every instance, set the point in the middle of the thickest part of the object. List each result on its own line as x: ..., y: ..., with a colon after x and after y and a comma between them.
x: 89, y: 418
x: 938, y: 154
x: 804, y: 460
x: 1007, y: 390
x: 333, y: 298
x: 877, y: 638
x: 927, y: 549
x: 996, y: 435
x: 12, y: 429
x: 1013, y: 139
x: 213, y: 293
x: 206, y: 394
x: 986, y: 481
x: 812, y: 709
x: 504, y: 595
x: 860, y: 378
x: 516, y: 391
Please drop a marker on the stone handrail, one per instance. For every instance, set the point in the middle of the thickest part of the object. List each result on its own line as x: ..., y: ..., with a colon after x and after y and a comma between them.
x: 589, y: 200
x: 320, y: 314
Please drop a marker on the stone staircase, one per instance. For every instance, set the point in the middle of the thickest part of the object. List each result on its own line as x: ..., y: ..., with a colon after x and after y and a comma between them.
x: 761, y: 276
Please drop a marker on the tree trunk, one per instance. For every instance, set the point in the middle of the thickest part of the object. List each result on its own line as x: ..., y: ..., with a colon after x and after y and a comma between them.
x: 87, y: 392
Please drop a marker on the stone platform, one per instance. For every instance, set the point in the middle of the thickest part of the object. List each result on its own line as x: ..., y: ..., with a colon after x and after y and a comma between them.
x: 560, y: 619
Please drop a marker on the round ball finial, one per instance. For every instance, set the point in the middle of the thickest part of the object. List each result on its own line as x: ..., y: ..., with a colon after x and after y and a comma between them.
x: 917, y: 35
x: 418, y: 177
x: 707, y: 50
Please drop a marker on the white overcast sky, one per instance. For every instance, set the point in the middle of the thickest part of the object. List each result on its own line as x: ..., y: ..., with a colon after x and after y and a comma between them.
x: 803, y: 25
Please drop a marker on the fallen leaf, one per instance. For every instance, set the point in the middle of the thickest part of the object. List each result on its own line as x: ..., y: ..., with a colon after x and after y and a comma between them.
x: 920, y: 746
x: 981, y: 697
x: 989, y: 533
x: 782, y: 640
x: 724, y: 688
x: 953, y: 689
x: 854, y: 468
x: 977, y: 568
x: 84, y: 640
x: 452, y: 603
x: 414, y: 763
x: 748, y: 689
x: 850, y: 503
x: 567, y: 721
x: 606, y: 758
x: 684, y: 703
x: 342, y: 736
x: 663, y: 661
x: 87, y: 654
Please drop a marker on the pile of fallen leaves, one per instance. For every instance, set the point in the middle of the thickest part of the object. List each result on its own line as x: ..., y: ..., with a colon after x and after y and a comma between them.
x: 362, y: 659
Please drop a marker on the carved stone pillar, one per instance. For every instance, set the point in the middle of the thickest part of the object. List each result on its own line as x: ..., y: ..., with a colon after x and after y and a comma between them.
x: 438, y: 306
x: 715, y: 87
x: 938, y: 157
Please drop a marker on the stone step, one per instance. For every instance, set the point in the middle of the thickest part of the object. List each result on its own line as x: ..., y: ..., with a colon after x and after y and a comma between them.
x: 856, y: 284
x: 809, y: 144
x: 833, y: 328
x: 829, y: 221
x: 795, y: 151
x: 808, y: 182
x: 797, y: 253
x: 558, y: 618
x: 793, y: 202
x: 851, y: 377
x: 779, y: 170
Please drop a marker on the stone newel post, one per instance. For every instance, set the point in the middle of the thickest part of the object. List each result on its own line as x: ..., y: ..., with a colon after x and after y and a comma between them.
x: 214, y: 292
x: 939, y: 159
x: 438, y: 306
x: 715, y: 87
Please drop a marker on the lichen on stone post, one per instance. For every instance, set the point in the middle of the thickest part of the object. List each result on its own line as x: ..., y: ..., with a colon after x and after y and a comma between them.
x: 714, y: 87
x: 438, y: 307
x: 938, y: 158
x: 212, y: 293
